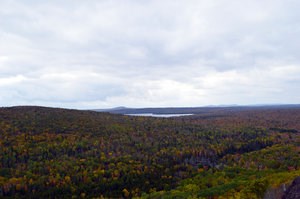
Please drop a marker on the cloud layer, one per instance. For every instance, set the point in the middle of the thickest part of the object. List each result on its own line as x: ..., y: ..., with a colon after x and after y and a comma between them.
x: 98, y: 54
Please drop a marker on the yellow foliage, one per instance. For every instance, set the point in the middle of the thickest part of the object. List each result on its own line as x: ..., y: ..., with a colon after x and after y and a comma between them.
x: 67, y: 179
x: 200, y: 170
x: 126, y: 192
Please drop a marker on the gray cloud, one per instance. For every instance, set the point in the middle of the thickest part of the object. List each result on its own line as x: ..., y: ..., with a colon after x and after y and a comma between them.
x: 90, y: 54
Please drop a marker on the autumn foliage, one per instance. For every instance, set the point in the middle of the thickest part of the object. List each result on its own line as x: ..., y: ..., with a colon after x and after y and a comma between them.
x: 46, y: 153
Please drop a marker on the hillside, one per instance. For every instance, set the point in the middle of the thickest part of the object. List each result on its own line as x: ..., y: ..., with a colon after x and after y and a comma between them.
x: 48, y: 153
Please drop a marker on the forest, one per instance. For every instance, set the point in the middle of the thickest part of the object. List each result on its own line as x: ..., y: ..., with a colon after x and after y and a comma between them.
x: 224, y: 153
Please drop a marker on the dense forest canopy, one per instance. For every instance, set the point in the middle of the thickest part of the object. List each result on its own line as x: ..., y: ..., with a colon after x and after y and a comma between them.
x: 48, y: 152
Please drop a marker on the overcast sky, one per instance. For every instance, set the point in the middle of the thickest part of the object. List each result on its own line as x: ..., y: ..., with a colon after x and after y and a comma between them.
x: 138, y: 53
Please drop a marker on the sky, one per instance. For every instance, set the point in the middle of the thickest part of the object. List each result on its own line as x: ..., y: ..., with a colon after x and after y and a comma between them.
x: 137, y: 53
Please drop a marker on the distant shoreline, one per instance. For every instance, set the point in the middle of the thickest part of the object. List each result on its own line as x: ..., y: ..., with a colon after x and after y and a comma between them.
x: 159, y: 115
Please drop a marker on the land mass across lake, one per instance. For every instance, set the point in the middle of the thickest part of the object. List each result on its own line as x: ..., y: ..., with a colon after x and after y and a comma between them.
x: 186, y: 111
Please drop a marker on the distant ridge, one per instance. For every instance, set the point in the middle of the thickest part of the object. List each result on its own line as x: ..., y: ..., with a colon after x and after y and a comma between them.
x: 111, y: 109
x: 193, y: 110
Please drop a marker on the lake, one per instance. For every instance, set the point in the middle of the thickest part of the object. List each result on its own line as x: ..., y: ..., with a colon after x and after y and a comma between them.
x: 158, y: 115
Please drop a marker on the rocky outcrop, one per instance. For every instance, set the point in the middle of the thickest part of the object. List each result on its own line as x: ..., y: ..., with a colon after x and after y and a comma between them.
x: 275, y: 192
x: 293, y: 191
